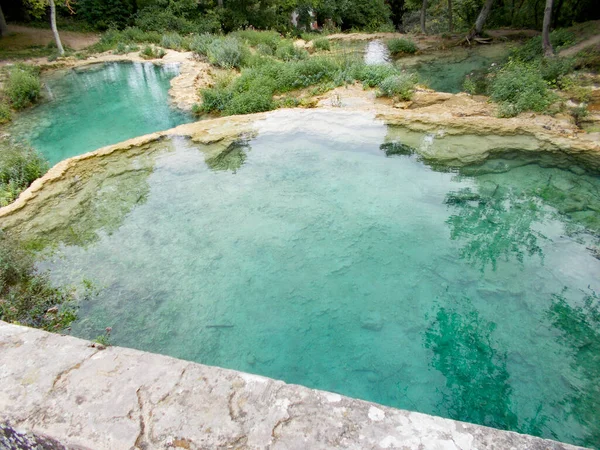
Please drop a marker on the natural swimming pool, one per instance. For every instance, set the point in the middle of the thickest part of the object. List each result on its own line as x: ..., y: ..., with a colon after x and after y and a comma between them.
x: 102, y: 104
x: 322, y: 251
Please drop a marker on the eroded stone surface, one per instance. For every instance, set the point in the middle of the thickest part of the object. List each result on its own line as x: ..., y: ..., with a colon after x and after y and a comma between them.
x: 60, y: 388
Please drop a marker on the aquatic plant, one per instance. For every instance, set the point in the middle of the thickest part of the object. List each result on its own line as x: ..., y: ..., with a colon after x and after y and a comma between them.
x: 401, y: 86
x: 400, y: 45
x: 27, y: 297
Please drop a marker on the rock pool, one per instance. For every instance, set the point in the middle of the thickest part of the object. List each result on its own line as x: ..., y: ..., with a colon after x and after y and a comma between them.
x: 322, y: 251
x: 98, y: 105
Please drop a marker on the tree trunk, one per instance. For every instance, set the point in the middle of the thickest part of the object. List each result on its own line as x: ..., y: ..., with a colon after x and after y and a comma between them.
x: 220, y: 3
x: 546, y: 44
x: 61, y: 50
x: 423, y: 13
x: 481, y: 18
x: 3, y: 27
x: 450, y: 23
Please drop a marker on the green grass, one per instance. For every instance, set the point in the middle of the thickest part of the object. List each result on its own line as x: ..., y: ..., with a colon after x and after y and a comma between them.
x: 254, y: 89
x: 322, y: 44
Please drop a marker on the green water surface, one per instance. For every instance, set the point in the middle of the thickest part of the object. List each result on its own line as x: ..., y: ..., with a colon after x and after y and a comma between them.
x: 321, y: 253
x: 90, y: 107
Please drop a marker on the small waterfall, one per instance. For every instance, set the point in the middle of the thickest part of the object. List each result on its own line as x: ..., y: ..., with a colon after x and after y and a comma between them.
x: 377, y: 53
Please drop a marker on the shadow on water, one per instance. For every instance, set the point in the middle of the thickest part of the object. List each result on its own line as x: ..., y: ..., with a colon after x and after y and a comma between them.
x: 579, y: 326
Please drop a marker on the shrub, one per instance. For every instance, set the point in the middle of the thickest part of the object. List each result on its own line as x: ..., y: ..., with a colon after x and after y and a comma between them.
x: 104, y: 14
x: 287, y: 51
x: 520, y: 87
x: 227, y: 52
x: 28, y: 297
x: 373, y: 75
x: 554, y: 69
x: 401, y: 85
x: 477, y: 82
x: 255, y: 38
x: 22, y: 87
x: 19, y: 167
x: 264, y: 49
x: 149, y: 52
x: 5, y: 114
x: 173, y: 41
x: 399, y: 46
x: 200, y: 43
x: 257, y: 99
x: 322, y: 44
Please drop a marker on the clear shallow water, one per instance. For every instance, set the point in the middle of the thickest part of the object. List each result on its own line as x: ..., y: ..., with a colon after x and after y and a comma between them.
x: 99, y: 105
x: 445, y: 71
x: 307, y: 254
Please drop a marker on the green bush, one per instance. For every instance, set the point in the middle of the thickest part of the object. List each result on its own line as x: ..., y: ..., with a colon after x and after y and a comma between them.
x: 520, y: 87
x: 22, y: 87
x: 255, y: 38
x: 399, y: 46
x: 322, y: 44
x: 227, y: 52
x: 477, y: 82
x: 200, y: 43
x: 28, y: 297
x: 149, y: 52
x: 257, y: 99
x: 5, y: 114
x: 554, y: 69
x: 173, y: 41
x: 287, y: 51
x: 265, y: 50
x: 19, y: 167
x: 401, y: 86
x: 373, y: 75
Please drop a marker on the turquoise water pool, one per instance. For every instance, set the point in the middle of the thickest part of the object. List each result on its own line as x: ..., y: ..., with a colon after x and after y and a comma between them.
x: 98, y: 105
x: 322, y: 252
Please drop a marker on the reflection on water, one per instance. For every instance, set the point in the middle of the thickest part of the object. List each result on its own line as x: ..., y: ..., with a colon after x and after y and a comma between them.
x: 99, y: 105
x: 313, y: 254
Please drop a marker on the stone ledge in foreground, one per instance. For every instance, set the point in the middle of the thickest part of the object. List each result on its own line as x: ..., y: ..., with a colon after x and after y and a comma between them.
x: 58, y: 391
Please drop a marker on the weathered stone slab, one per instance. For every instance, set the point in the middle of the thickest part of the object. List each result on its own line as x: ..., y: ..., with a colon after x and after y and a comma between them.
x: 58, y: 390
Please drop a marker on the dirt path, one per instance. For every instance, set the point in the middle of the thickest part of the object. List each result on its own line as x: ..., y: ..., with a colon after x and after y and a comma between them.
x: 20, y: 37
x: 594, y: 40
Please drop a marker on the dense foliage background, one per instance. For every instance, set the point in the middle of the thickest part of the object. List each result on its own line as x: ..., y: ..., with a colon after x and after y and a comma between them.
x: 187, y: 16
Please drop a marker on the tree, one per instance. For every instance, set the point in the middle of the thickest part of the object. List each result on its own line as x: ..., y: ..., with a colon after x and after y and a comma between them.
x: 546, y: 44
x: 3, y: 27
x: 423, y: 14
x: 38, y: 9
x: 481, y: 18
x: 61, y: 50
x: 450, y: 24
